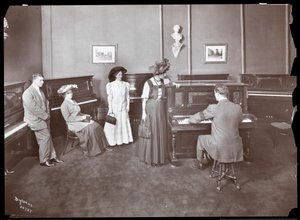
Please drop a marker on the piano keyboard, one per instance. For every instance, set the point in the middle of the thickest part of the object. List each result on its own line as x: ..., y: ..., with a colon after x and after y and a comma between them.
x: 14, y: 129
x: 208, y: 121
x: 185, y: 121
x: 80, y: 103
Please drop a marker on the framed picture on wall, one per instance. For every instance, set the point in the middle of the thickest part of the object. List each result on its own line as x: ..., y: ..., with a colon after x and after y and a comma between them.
x: 104, y: 54
x: 215, y: 53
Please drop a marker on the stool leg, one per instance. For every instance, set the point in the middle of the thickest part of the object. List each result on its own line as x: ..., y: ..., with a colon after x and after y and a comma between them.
x: 234, y: 177
x: 212, y: 172
x: 221, y: 175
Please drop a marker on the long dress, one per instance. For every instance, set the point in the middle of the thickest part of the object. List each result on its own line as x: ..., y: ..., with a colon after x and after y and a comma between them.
x: 118, y: 102
x: 91, y: 136
x: 154, y: 150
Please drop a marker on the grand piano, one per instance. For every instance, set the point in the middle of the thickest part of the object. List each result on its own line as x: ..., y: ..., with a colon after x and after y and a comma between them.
x: 84, y: 95
x: 191, y: 97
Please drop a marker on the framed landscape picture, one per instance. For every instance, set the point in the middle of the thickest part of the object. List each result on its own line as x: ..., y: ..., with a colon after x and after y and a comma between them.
x: 104, y: 54
x: 215, y: 53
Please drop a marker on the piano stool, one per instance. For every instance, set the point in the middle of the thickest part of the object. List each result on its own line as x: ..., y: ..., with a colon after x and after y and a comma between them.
x: 70, y: 141
x: 222, y: 171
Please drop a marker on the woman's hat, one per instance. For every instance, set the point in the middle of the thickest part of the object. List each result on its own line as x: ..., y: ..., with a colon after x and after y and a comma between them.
x: 160, y: 66
x: 64, y: 88
x: 114, y: 70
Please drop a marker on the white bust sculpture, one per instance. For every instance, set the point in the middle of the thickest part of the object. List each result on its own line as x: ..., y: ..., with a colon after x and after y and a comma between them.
x: 177, y: 37
x: 5, y: 27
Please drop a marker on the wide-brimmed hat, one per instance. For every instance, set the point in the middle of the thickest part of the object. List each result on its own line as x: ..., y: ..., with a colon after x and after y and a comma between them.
x: 160, y: 66
x: 64, y: 88
x: 114, y: 70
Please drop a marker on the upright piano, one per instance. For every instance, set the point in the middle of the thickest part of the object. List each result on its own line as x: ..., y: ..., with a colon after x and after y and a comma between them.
x: 84, y: 95
x: 191, y: 97
x: 270, y: 95
x: 18, y: 137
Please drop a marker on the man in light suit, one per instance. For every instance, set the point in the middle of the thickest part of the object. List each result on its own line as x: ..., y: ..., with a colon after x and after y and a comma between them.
x: 224, y: 144
x: 37, y: 115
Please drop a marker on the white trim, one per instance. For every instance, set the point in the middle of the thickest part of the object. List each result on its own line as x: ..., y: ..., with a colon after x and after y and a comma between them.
x: 242, y: 37
x: 287, y: 46
x: 189, y: 40
x: 270, y: 95
x: 161, y: 32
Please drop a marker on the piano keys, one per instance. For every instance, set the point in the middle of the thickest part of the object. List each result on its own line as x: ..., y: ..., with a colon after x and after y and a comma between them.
x: 192, y: 97
x: 84, y: 95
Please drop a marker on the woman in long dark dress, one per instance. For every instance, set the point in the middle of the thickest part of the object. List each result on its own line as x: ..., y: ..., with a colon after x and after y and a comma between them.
x: 92, y: 138
x: 153, y: 151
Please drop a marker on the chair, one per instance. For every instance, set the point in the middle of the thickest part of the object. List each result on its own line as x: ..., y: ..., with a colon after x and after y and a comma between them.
x: 71, y: 138
x: 281, y: 128
x: 222, y: 171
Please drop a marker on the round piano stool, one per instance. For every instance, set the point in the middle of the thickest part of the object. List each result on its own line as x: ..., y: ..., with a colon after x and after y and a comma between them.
x: 222, y: 171
x: 70, y: 141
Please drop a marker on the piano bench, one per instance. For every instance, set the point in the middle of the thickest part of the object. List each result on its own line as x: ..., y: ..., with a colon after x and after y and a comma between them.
x: 222, y: 171
x: 70, y: 142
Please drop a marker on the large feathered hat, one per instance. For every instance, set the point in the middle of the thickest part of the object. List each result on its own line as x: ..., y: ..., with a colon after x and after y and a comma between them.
x: 64, y: 88
x: 160, y: 66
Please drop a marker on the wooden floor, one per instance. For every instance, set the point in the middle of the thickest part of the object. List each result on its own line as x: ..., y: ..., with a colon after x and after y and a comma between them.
x: 117, y: 184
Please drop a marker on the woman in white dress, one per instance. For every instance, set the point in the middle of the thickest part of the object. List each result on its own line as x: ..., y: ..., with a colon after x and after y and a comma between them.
x: 118, y: 106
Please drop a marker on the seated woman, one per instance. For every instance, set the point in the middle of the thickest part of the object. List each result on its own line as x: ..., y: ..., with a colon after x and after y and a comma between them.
x: 90, y: 133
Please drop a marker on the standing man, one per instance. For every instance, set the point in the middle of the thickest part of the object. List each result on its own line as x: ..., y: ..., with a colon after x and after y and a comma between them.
x: 37, y: 116
x: 224, y: 144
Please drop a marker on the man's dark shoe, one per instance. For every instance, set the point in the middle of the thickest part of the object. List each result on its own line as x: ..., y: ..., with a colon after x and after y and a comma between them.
x: 56, y: 160
x: 47, y: 164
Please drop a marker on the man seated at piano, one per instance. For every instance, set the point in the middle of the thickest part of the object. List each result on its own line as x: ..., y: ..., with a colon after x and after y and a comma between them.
x: 92, y: 139
x: 224, y: 144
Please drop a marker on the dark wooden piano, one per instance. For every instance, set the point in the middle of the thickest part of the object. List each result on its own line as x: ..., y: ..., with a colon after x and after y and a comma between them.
x: 270, y: 95
x: 18, y: 137
x: 193, y: 96
x: 84, y: 95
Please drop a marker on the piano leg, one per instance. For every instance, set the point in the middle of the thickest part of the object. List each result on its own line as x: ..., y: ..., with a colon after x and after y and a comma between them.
x: 246, y: 141
x: 174, y: 160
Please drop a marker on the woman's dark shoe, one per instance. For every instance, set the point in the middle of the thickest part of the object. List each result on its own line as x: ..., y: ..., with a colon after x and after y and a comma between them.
x: 47, y: 164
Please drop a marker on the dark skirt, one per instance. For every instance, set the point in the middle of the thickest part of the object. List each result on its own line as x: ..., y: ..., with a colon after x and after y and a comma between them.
x: 92, y: 139
x: 154, y: 150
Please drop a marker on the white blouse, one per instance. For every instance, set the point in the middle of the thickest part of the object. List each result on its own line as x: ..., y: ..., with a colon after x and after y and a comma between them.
x: 146, y: 89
